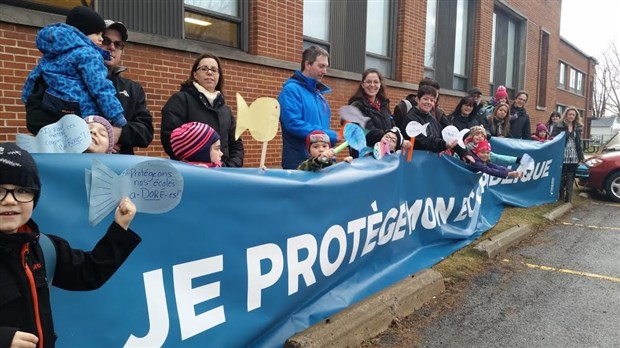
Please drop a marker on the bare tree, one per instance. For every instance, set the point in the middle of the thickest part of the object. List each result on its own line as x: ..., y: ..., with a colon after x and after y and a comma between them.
x: 606, y: 96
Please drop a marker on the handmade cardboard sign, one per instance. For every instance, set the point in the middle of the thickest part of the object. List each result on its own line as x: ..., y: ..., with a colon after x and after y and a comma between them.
x: 69, y: 135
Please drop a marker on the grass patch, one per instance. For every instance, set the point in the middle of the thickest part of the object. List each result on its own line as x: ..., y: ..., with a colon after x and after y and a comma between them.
x: 466, y: 262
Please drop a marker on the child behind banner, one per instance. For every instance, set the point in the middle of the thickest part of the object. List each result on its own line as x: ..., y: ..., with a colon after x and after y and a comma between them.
x: 478, y: 134
x: 25, y: 312
x: 482, y: 162
x: 198, y: 144
x: 321, y: 155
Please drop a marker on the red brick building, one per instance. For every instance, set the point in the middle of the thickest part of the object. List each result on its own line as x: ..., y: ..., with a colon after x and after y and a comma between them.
x: 461, y: 44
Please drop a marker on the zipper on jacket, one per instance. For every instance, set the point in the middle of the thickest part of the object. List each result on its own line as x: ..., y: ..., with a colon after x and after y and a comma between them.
x: 33, y: 293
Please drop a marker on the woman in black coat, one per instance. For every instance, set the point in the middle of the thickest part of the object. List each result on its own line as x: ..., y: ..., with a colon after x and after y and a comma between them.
x: 200, y: 99
x: 463, y: 117
x: 519, y: 119
x: 571, y: 124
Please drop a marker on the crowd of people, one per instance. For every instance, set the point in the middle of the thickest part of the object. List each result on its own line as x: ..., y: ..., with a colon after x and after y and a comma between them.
x: 80, y: 73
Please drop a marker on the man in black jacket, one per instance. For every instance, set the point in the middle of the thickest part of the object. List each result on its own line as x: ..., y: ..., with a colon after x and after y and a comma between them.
x: 139, y: 129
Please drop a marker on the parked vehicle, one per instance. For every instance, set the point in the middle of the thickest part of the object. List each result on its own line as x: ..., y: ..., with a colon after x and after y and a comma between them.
x: 604, y: 174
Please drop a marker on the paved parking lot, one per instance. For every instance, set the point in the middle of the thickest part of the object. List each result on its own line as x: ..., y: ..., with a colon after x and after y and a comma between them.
x: 561, y: 288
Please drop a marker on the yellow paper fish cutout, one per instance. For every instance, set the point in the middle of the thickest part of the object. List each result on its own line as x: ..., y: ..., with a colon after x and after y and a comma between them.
x: 261, y: 118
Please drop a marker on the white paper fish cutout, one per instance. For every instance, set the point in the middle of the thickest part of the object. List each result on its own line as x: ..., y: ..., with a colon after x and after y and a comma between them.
x: 69, y: 135
x: 352, y: 114
x: 527, y: 163
x: 155, y: 187
x: 451, y: 132
x: 414, y: 128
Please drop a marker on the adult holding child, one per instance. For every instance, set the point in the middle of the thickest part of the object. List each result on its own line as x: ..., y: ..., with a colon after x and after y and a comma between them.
x: 200, y: 99
x: 304, y: 108
x: 138, y: 132
x: 571, y: 125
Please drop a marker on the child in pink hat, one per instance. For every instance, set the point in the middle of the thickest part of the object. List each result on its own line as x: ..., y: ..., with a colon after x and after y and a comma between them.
x: 541, y: 133
x: 198, y: 144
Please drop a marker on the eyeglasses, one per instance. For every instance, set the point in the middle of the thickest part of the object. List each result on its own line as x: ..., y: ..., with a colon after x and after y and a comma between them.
x: 368, y: 83
x: 120, y: 45
x: 522, y: 99
x: 20, y: 194
x: 206, y: 69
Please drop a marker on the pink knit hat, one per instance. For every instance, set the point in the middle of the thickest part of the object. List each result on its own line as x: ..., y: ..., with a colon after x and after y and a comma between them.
x: 108, y: 127
x: 540, y: 127
x: 192, y: 142
x: 482, y: 146
x: 501, y: 93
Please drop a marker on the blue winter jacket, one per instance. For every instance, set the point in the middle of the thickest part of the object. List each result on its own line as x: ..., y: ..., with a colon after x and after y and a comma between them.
x: 73, y: 67
x: 303, y: 109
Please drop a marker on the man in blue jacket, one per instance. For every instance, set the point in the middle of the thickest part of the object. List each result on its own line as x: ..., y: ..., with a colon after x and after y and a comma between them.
x: 303, y: 107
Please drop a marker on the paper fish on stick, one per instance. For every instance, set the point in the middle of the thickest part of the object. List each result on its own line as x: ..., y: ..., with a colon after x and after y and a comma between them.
x: 69, y: 135
x: 352, y: 114
x: 155, y: 187
x: 451, y: 132
x: 261, y: 118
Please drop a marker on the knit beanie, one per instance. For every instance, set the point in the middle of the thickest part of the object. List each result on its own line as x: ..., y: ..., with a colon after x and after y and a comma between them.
x: 17, y: 167
x: 501, y: 93
x: 108, y: 127
x: 477, y: 129
x: 399, y: 137
x: 540, y: 127
x: 86, y: 20
x: 192, y: 142
x: 482, y: 146
x: 316, y: 136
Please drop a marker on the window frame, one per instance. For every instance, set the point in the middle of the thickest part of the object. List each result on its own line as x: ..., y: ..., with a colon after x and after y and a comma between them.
x: 241, y: 22
x: 503, y: 15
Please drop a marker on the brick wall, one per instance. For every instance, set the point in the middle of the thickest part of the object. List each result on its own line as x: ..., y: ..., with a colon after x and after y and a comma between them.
x: 276, y: 32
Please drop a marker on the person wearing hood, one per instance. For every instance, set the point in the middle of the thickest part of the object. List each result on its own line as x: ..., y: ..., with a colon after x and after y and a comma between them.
x: 73, y: 68
x: 303, y: 107
x: 138, y: 132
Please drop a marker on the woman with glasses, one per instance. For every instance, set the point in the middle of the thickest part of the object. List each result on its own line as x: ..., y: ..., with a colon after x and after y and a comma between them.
x: 200, y: 99
x: 519, y: 119
x: 463, y: 117
x: 371, y: 100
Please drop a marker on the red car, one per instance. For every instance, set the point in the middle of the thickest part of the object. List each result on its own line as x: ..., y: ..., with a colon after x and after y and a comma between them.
x: 604, y: 174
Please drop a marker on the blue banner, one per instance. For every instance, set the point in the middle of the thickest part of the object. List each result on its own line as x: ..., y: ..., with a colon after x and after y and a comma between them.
x: 250, y: 257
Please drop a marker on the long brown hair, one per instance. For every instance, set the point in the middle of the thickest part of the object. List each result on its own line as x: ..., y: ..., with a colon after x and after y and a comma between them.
x: 359, y: 93
x: 220, y: 82
x: 491, y: 120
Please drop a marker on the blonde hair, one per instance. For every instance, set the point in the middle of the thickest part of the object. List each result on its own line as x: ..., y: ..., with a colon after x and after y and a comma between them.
x: 577, y: 120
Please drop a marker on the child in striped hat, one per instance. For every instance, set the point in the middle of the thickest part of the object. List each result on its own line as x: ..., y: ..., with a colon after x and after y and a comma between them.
x: 198, y: 144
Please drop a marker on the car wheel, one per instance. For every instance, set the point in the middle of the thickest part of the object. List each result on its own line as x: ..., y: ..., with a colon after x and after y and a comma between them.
x: 612, y: 187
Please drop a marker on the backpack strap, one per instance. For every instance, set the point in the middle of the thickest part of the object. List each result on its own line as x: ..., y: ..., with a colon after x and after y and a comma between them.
x: 49, y: 256
x: 408, y: 104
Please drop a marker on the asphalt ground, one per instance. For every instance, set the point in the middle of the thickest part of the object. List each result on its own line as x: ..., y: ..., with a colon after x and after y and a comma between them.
x: 559, y: 288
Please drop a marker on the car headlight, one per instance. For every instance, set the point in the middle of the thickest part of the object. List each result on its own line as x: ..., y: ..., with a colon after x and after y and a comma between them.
x: 594, y: 162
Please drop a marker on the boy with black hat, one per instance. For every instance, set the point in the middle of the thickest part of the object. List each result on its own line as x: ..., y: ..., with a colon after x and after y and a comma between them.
x: 73, y: 67
x: 27, y: 266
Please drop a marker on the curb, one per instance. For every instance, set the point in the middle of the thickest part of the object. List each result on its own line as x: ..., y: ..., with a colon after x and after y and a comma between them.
x: 559, y: 211
x: 497, y: 244
x: 372, y: 315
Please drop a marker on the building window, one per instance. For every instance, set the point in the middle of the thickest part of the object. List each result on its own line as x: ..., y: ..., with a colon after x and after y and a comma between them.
x: 52, y: 6
x: 579, y: 87
x: 507, y: 55
x: 542, y: 69
x: 562, y: 76
x: 316, y: 24
x: 378, y: 37
x: 448, y: 42
x: 217, y: 21
x: 357, y: 34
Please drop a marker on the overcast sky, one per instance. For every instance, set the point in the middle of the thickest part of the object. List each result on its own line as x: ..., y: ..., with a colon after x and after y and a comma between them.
x: 591, y: 24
